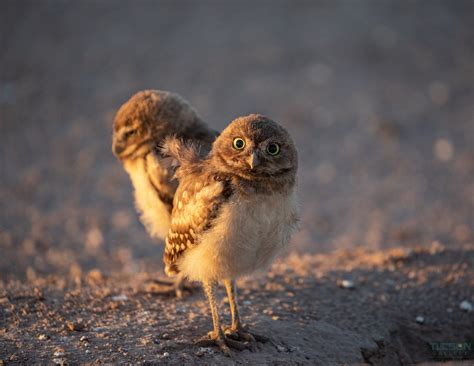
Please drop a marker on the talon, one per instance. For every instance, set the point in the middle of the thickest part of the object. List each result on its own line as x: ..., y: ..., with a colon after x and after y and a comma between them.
x: 247, y: 336
x: 236, y: 344
x: 260, y: 338
x: 231, y: 333
x: 223, y: 342
x: 205, y: 342
x: 242, y: 334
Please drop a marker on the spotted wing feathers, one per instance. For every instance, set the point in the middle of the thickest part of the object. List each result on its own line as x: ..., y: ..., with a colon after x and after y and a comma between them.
x: 197, y: 201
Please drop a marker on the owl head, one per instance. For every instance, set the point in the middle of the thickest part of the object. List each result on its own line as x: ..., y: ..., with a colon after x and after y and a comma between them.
x: 147, y: 117
x: 255, y: 148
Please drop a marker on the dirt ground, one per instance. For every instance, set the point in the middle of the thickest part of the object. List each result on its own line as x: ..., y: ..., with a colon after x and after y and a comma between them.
x: 301, y: 304
x: 379, y: 99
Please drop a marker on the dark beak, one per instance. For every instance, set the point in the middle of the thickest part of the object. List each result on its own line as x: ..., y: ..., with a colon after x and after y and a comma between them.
x: 253, y: 160
x: 117, y: 148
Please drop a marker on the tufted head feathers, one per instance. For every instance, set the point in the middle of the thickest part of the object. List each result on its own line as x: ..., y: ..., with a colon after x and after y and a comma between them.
x: 255, y: 148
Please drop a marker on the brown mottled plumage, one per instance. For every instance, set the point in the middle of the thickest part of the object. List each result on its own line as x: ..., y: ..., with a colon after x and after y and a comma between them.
x: 233, y: 210
x: 140, y: 127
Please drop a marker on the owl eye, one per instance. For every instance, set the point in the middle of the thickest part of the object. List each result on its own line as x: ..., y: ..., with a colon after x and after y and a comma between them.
x: 238, y: 143
x: 273, y: 149
x: 129, y: 134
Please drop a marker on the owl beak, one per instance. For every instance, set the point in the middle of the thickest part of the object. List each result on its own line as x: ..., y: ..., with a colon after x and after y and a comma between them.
x: 253, y: 160
x: 117, y: 148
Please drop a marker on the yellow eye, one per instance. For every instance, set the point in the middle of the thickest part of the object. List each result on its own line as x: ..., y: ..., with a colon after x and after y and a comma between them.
x: 273, y: 149
x: 238, y: 143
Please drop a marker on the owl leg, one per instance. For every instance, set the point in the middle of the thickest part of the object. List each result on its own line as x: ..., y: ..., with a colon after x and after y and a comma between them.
x: 179, y: 285
x: 237, y: 330
x: 217, y: 337
x: 231, y: 289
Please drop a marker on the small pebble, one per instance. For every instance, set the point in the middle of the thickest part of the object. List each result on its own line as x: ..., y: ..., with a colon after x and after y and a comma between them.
x: 165, y: 336
x: 390, y: 282
x: 74, y: 326
x: 120, y: 297
x: 349, y: 284
x: 280, y: 348
x: 84, y: 339
x: 185, y: 356
x: 203, y: 350
x: 88, y: 351
x: 419, y: 319
x: 166, y: 354
x: 466, y: 306
x: 43, y: 337
x: 58, y: 353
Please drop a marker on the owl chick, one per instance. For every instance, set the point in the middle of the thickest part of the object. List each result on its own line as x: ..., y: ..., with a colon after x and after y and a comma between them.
x: 233, y: 212
x: 140, y: 126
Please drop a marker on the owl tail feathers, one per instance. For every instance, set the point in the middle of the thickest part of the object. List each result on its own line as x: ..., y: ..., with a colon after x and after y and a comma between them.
x: 184, y: 155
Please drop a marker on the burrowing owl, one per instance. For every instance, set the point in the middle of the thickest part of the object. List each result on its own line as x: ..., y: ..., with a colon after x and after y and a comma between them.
x: 233, y: 211
x: 140, y: 126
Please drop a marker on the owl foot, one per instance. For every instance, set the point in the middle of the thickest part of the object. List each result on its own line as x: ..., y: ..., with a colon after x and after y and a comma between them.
x: 242, y: 334
x: 223, y: 342
x: 178, y: 287
x: 182, y: 287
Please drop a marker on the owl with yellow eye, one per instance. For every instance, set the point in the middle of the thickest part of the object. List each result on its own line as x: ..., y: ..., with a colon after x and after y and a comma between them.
x: 233, y: 211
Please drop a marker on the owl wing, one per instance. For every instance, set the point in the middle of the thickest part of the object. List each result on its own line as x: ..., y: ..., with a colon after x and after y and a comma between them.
x: 160, y: 172
x: 160, y: 176
x: 196, y: 204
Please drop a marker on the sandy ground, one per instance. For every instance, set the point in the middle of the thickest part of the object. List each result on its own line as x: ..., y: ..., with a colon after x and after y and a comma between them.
x: 379, y: 98
x: 302, y: 305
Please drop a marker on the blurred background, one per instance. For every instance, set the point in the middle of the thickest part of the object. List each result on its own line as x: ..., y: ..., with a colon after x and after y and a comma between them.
x: 379, y: 96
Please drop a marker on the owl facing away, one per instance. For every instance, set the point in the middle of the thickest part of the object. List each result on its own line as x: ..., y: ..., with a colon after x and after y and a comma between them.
x: 233, y: 211
x: 140, y: 126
